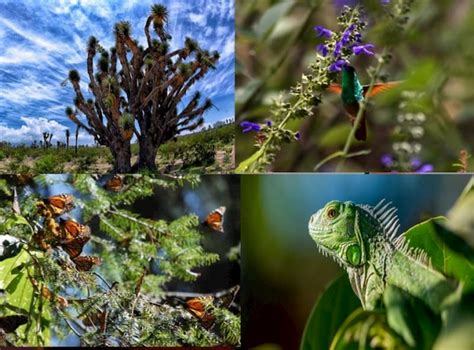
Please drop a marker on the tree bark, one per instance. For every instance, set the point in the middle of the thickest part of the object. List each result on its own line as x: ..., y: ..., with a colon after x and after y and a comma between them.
x: 122, y: 156
x: 146, y: 155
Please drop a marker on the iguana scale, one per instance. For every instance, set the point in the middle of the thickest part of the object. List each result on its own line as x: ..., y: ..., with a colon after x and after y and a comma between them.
x: 364, y: 241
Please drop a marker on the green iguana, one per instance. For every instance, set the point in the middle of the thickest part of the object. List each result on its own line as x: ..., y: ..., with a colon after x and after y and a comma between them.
x: 364, y: 241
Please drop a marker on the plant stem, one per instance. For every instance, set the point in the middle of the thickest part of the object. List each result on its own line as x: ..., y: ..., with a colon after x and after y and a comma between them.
x: 277, y: 64
x: 360, y: 113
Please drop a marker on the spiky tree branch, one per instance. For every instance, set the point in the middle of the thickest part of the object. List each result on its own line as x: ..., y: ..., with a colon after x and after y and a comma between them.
x: 138, y: 94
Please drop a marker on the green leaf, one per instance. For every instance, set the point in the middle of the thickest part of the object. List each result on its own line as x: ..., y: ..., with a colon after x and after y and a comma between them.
x: 460, y: 216
x: 365, y: 329
x: 271, y: 17
x: 20, y: 296
x: 419, y: 332
x: 335, y: 304
x: 448, y: 252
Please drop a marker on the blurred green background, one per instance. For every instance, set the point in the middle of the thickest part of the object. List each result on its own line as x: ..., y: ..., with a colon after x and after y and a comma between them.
x: 283, y: 274
x: 434, y: 56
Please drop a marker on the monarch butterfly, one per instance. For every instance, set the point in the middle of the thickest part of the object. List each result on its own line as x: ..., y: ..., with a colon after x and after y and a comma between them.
x: 197, y: 306
x: 86, y: 263
x: 115, y: 184
x: 215, y: 219
x: 73, y: 237
x: 71, y: 229
x: 59, y: 204
x: 11, y: 323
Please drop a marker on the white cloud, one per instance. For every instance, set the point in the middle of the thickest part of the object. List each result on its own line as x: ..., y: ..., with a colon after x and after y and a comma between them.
x: 199, y: 19
x: 27, y: 91
x: 33, y: 129
x: 22, y: 55
x: 38, y: 40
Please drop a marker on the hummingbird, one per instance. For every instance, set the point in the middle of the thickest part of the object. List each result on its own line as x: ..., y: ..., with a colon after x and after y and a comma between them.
x: 353, y: 93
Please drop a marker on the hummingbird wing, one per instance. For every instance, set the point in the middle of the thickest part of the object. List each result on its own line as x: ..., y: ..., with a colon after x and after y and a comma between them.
x: 335, y: 88
x: 379, y: 88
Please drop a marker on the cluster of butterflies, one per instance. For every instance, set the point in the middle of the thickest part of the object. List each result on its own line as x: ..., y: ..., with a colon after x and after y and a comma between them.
x: 70, y: 235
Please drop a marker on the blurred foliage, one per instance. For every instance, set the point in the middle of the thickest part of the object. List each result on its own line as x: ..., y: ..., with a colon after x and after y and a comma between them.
x: 404, y: 322
x: 276, y: 44
x: 130, y: 299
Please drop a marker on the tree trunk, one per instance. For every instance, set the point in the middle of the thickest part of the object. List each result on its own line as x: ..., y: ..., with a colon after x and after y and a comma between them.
x: 146, y: 155
x: 77, y: 135
x: 122, y: 156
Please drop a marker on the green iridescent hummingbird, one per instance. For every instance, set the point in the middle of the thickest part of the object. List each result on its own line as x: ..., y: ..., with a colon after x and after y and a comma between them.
x: 353, y: 93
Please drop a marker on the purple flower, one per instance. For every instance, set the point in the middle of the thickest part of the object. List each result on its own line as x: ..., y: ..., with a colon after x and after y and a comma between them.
x: 298, y: 135
x: 385, y: 2
x: 347, y: 34
x: 323, y: 49
x: 387, y: 160
x: 419, y: 167
x: 358, y: 37
x: 269, y: 123
x: 249, y: 126
x: 363, y: 49
x: 337, y: 66
x: 425, y: 168
x: 415, y: 163
x: 323, y: 32
x: 337, y: 49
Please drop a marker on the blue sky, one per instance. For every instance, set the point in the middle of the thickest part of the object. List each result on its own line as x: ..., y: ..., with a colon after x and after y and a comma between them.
x: 43, y: 40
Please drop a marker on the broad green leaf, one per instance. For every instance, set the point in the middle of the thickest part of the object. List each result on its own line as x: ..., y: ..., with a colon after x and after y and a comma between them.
x: 419, y: 332
x: 459, y: 323
x: 20, y: 297
x: 366, y: 330
x: 448, y: 252
x: 271, y: 17
x: 335, y: 304
x: 460, y: 216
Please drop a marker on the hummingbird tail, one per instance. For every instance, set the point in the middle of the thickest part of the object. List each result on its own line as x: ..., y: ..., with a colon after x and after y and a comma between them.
x: 361, y: 132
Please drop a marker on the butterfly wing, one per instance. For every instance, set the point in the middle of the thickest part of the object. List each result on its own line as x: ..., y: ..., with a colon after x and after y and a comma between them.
x: 115, y: 184
x: 71, y: 229
x: 197, y: 306
x: 86, y: 263
x: 74, y: 246
x: 379, y: 88
x: 11, y: 323
x: 59, y: 204
x: 215, y: 219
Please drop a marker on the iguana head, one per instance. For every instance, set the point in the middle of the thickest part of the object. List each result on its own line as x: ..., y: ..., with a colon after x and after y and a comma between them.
x: 336, y: 230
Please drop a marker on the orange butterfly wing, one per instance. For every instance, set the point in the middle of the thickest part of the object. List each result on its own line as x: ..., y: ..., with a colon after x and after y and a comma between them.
x: 115, y: 184
x: 59, y: 204
x: 73, y: 237
x: 86, y: 263
x: 72, y: 229
x: 215, y: 219
x: 74, y: 246
x: 198, y: 308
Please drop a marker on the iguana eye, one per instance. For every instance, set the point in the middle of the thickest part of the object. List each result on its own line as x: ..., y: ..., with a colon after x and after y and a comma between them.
x: 331, y: 213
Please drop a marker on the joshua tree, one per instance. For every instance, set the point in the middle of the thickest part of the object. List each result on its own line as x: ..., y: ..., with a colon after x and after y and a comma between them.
x: 77, y: 136
x: 68, y: 134
x: 137, y: 91
x: 47, y: 139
